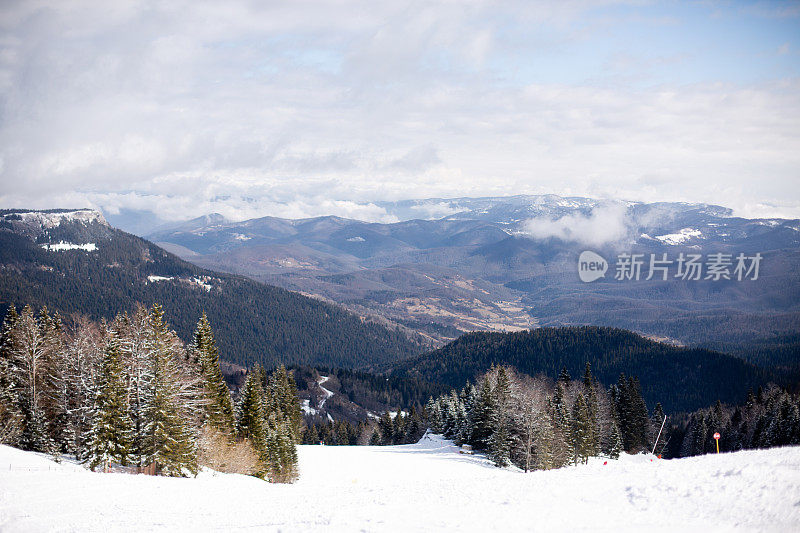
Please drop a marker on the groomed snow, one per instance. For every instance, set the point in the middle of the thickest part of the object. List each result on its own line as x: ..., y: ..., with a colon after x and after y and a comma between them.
x: 420, y: 487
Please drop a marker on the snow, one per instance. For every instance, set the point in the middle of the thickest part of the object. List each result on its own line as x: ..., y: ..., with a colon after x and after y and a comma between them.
x: 356, y: 239
x: 679, y: 238
x: 241, y: 237
x: 199, y: 282
x: 427, y: 486
x: 305, y: 406
x: 325, y: 391
x: 61, y: 246
x: 153, y: 279
x: 52, y: 220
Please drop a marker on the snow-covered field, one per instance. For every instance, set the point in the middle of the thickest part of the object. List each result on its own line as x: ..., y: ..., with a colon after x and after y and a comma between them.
x: 421, y: 487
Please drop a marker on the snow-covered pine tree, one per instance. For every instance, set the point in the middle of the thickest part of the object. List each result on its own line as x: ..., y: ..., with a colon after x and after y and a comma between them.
x: 112, y: 430
x: 136, y: 345
x: 82, y: 356
x: 483, y: 413
x: 615, y: 443
x: 501, y: 438
x: 281, y: 399
x: 172, y: 403
x: 581, y: 431
x: 281, y: 456
x: 469, y: 398
x: 250, y: 419
x: 11, y: 419
x: 55, y: 383
x: 219, y: 410
x: 31, y: 348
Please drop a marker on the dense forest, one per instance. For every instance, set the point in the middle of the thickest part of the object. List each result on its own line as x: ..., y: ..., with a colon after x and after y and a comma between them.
x: 375, y: 392
x: 770, y: 417
x: 536, y: 424
x: 682, y: 379
x: 256, y: 323
x: 129, y: 394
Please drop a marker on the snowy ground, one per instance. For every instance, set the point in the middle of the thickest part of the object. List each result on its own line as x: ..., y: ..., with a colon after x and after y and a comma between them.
x: 420, y: 487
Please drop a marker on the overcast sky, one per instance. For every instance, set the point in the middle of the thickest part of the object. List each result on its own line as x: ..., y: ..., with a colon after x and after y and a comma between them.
x: 305, y: 108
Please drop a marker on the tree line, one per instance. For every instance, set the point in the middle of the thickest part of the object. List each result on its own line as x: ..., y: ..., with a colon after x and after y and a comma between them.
x: 130, y: 393
x: 770, y: 417
x: 536, y: 424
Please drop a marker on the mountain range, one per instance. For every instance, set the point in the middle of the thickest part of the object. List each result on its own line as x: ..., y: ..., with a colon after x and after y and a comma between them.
x: 447, y: 266
x: 73, y: 262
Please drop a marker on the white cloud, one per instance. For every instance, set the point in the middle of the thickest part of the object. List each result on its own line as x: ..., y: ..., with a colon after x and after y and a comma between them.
x: 605, y: 224
x: 296, y: 108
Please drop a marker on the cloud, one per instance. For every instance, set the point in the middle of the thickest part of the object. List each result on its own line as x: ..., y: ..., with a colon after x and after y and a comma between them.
x: 298, y: 107
x: 603, y: 225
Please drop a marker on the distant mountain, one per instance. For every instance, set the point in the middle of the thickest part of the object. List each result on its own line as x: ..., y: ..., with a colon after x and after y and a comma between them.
x: 510, y: 263
x: 682, y: 379
x: 73, y: 262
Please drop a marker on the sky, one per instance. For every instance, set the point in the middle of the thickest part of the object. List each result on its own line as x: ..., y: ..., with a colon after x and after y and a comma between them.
x: 301, y: 108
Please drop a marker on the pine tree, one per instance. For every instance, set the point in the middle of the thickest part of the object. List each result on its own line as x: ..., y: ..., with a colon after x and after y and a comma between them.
x: 81, y: 359
x: 170, y: 404
x: 386, y: 429
x: 581, y: 431
x: 111, y: 426
x: 31, y: 352
x: 563, y: 449
x: 281, y: 453
x: 615, y: 443
x: 483, y: 413
x: 250, y: 419
x: 501, y: 439
x: 54, y: 391
x: 638, y: 421
x: 11, y: 419
x: 592, y: 404
x: 218, y: 404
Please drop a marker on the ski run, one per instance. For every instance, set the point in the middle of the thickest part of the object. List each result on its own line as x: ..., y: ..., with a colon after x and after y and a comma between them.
x: 428, y: 486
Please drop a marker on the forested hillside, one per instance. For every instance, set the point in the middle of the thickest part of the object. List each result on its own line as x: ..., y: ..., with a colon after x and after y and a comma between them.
x: 74, y: 263
x: 679, y: 378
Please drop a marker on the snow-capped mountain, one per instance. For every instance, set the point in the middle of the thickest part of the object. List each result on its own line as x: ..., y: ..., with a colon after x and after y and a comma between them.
x: 509, y: 263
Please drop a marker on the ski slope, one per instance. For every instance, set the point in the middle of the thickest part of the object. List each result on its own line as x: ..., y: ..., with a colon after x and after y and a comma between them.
x: 421, y: 487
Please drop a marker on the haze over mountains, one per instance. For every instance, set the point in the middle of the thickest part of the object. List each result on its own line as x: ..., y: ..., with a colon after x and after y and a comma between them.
x: 509, y: 263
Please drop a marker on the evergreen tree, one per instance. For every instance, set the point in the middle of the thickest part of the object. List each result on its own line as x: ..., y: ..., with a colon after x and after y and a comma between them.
x: 501, y: 439
x: 31, y: 352
x: 169, y: 434
x: 218, y: 404
x: 592, y: 404
x: 111, y: 425
x: 638, y: 419
x: 386, y: 429
x: 483, y: 413
x: 581, y: 433
x: 615, y: 443
x: 11, y: 419
x: 281, y: 453
x: 250, y: 419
